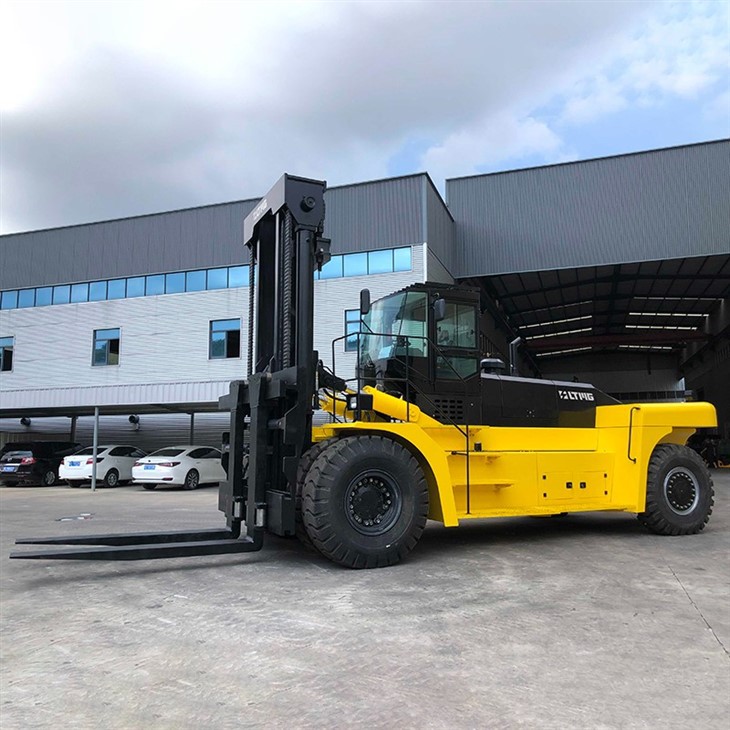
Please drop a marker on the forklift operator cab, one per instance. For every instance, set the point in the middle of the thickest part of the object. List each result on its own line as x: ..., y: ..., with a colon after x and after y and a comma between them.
x: 421, y: 343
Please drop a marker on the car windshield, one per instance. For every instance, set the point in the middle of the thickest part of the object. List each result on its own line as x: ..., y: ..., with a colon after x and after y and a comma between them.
x: 168, y: 452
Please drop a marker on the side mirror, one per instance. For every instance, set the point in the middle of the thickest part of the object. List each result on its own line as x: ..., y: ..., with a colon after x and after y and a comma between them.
x: 439, y: 309
x: 364, y: 301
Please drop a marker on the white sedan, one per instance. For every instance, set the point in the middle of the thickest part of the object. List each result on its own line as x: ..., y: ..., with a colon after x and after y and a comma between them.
x: 185, y: 465
x: 113, y: 465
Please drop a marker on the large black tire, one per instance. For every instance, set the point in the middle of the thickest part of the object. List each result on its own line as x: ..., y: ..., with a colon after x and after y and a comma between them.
x: 679, y: 492
x: 192, y: 479
x: 365, y: 502
x: 305, y: 464
x: 112, y: 478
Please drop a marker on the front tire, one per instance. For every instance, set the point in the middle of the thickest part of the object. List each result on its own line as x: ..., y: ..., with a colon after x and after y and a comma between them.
x: 365, y: 502
x: 679, y: 492
x: 305, y: 464
x: 192, y: 479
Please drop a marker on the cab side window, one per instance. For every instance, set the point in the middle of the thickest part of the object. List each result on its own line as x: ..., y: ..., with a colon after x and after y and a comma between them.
x: 457, y: 331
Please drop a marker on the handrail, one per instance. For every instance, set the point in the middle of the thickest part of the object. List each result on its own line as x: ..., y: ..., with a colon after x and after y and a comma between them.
x: 406, y: 380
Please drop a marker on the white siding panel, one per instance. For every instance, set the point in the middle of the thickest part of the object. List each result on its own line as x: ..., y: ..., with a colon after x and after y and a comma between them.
x: 164, y: 340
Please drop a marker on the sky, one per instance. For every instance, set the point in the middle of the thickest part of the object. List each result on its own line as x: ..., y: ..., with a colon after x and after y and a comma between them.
x: 113, y: 109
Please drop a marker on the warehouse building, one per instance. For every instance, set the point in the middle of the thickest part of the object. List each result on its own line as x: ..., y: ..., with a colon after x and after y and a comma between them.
x: 615, y: 270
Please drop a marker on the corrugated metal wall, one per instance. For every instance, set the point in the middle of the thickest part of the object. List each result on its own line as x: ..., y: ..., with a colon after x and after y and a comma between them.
x: 663, y: 204
x: 440, y: 233
x: 380, y: 214
x: 186, y: 239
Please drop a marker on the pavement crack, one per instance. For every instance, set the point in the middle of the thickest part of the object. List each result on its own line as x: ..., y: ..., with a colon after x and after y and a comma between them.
x: 697, y: 608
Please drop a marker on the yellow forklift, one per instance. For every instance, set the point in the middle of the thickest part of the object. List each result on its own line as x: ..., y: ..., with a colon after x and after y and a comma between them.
x: 429, y: 427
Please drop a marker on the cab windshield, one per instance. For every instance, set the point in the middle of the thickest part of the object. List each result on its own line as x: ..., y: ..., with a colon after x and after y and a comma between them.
x: 395, y: 326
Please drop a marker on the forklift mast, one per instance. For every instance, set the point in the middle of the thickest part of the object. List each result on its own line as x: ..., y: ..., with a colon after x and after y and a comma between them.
x: 275, y: 403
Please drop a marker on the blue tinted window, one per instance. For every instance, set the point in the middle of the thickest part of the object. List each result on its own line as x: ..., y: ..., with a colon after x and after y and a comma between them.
x: 238, y: 276
x: 155, y: 284
x: 79, y: 292
x: 6, y: 354
x: 106, y: 347
x: 116, y: 289
x: 352, y: 327
x: 61, y: 294
x: 135, y: 286
x: 217, y: 278
x: 402, y: 259
x: 9, y: 300
x: 195, y: 281
x: 225, y: 339
x: 174, y: 283
x: 43, y: 296
x: 97, y: 291
x: 26, y: 298
x: 356, y: 264
x: 332, y: 269
x: 224, y: 325
x: 380, y: 262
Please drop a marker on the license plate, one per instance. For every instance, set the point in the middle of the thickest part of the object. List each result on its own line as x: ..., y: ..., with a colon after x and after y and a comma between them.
x: 74, y: 463
x: 149, y: 466
x: 9, y: 468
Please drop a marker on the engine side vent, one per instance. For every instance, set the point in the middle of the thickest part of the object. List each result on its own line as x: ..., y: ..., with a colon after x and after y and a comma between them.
x: 449, y: 410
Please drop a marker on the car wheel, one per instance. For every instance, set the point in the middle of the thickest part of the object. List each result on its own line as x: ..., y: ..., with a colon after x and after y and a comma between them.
x: 192, y: 479
x: 49, y: 478
x: 112, y: 478
x: 149, y: 487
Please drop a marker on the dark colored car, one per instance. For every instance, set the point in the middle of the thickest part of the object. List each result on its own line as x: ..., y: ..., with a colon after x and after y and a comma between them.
x: 33, y: 462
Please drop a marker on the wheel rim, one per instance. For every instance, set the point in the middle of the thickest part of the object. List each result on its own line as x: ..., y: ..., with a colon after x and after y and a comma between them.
x: 111, y: 479
x: 681, y: 490
x: 49, y: 478
x: 192, y: 480
x: 373, y: 502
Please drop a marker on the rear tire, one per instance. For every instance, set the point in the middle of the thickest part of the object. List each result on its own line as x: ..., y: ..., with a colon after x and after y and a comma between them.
x: 192, y: 479
x: 112, y: 478
x: 679, y: 492
x: 49, y: 478
x: 365, y: 502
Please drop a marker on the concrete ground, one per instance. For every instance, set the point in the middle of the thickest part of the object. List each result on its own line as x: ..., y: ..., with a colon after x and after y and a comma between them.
x: 581, y: 622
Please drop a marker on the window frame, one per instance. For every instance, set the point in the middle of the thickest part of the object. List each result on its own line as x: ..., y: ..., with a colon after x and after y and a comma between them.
x: 349, y: 346
x: 107, y: 340
x: 3, y: 356
x: 211, y: 330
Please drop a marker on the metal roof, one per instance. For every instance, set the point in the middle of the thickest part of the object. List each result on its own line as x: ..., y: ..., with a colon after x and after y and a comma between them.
x: 661, y: 204
x: 643, y: 306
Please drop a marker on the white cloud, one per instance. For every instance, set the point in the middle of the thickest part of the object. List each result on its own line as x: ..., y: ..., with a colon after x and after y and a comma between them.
x: 682, y: 50
x: 494, y: 139
x: 119, y: 108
